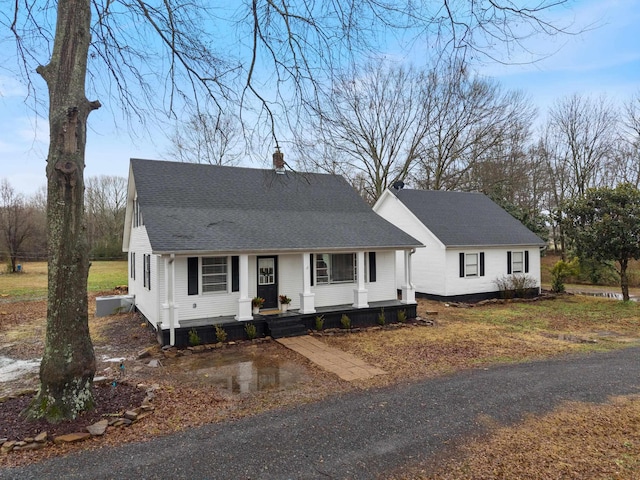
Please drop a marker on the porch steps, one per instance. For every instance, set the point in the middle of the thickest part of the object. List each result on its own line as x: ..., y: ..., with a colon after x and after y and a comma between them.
x: 281, y: 327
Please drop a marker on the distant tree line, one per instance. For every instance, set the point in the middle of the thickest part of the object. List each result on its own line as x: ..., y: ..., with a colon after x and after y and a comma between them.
x: 23, y: 221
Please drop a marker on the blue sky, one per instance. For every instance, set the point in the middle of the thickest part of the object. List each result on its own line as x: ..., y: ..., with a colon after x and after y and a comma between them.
x: 604, y: 60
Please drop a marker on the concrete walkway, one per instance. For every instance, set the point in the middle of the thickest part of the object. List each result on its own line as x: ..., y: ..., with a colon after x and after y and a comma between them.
x: 344, y: 365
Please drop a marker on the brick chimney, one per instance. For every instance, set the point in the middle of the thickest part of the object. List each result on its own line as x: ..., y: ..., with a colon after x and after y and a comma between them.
x: 278, y: 161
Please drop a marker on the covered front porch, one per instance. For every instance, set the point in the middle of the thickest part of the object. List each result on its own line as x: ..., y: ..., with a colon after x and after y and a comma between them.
x: 366, y: 281
x: 288, y: 324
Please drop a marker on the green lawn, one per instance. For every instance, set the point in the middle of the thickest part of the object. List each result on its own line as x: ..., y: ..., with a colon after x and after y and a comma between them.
x: 32, y: 281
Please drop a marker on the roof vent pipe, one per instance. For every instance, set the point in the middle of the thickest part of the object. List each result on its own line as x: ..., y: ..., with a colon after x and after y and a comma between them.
x: 278, y: 161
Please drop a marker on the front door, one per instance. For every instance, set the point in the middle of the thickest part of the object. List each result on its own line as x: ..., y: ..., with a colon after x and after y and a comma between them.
x: 267, y: 281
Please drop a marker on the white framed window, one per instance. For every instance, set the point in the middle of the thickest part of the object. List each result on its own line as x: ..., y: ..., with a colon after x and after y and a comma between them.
x: 137, y: 215
x: 335, y: 268
x: 471, y: 265
x: 214, y: 274
x: 517, y: 262
x: 146, y: 262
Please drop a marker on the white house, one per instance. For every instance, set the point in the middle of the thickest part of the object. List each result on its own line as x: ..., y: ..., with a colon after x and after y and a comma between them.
x: 203, y: 240
x: 471, y: 242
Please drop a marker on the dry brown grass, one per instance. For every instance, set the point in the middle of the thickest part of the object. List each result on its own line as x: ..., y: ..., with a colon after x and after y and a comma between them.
x: 576, y: 441
x: 460, y: 339
x: 492, y: 334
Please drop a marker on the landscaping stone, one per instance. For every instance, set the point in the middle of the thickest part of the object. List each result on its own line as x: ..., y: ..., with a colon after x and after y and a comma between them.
x: 72, y: 437
x: 7, y: 446
x: 131, y: 415
x: 98, y: 428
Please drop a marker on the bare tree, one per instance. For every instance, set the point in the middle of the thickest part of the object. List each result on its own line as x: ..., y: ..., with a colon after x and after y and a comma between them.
x: 369, y: 126
x: 628, y: 161
x: 470, y: 120
x: 105, y: 204
x: 165, y: 56
x: 207, y: 138
x: 16, y: 222
x: 506, y: 170
x: 583, y: 132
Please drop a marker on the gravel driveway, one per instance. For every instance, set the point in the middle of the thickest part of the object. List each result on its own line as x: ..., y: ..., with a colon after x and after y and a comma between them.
x: 358, y: 435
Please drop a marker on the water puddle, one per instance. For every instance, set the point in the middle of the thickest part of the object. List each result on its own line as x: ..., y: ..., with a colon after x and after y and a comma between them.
x: 612, y: 295
x: 237, y: 372
x: 17, y: 375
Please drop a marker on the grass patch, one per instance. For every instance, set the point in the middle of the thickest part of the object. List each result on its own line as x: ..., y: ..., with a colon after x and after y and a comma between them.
x: 104, y: 276
x: 32, y: 281
x: 495, y: 334
x: 577, y: 440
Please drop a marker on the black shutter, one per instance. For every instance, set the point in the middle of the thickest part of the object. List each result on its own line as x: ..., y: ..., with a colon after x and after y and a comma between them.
x: 372, y: 266
x: 509, y: 263
x: 192, y: 275
x: 235, y: 273
x: 311, y: 267
x: 482, y: 264
x: 526, y: 261
x: 462, y: 264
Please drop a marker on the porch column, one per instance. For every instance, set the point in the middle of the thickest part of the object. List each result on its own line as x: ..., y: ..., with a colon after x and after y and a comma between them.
x: 360, y: 294
x: 169, y: 306
x: 307, y: 299
x: 408, y: 289
x: 244, y: 302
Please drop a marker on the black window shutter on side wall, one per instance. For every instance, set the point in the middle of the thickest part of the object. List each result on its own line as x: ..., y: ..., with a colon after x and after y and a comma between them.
x: 461, y: 264
x: 482, y: 264
x: 192, y: 275
x: 508, y: 263
x: 526, y: 261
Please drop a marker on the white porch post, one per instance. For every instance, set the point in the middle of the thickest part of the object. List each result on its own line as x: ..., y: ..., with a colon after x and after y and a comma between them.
x: 169, y: 306
x: 307, y: 299
x: 360, y: 299
x: 244, y: 302
x: 408, y: 290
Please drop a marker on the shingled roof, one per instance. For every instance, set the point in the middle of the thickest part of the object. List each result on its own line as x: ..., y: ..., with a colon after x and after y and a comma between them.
x: 207, y: 208
x: 462, y: 219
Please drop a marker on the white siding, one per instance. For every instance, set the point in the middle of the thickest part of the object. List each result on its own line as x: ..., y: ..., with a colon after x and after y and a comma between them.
x: 495, y: 261
x: 289, y: 277
x: 384, y: 288
x: 428, y: 264
x: 435, y: 269
x: 147, y: 301
x: 203, y: 305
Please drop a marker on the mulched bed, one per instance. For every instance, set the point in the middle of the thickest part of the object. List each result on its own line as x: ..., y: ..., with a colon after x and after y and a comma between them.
x: 109, y: 400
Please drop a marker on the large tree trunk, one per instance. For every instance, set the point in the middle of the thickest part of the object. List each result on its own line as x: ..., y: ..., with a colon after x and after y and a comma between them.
x: 68, y: 364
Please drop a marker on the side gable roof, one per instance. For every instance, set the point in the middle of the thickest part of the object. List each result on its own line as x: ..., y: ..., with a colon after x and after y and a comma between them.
x: 206, y: 208
x: 463, y: 219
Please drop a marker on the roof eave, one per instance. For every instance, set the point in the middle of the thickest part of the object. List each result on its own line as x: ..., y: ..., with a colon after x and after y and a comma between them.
x: 284, y: 251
